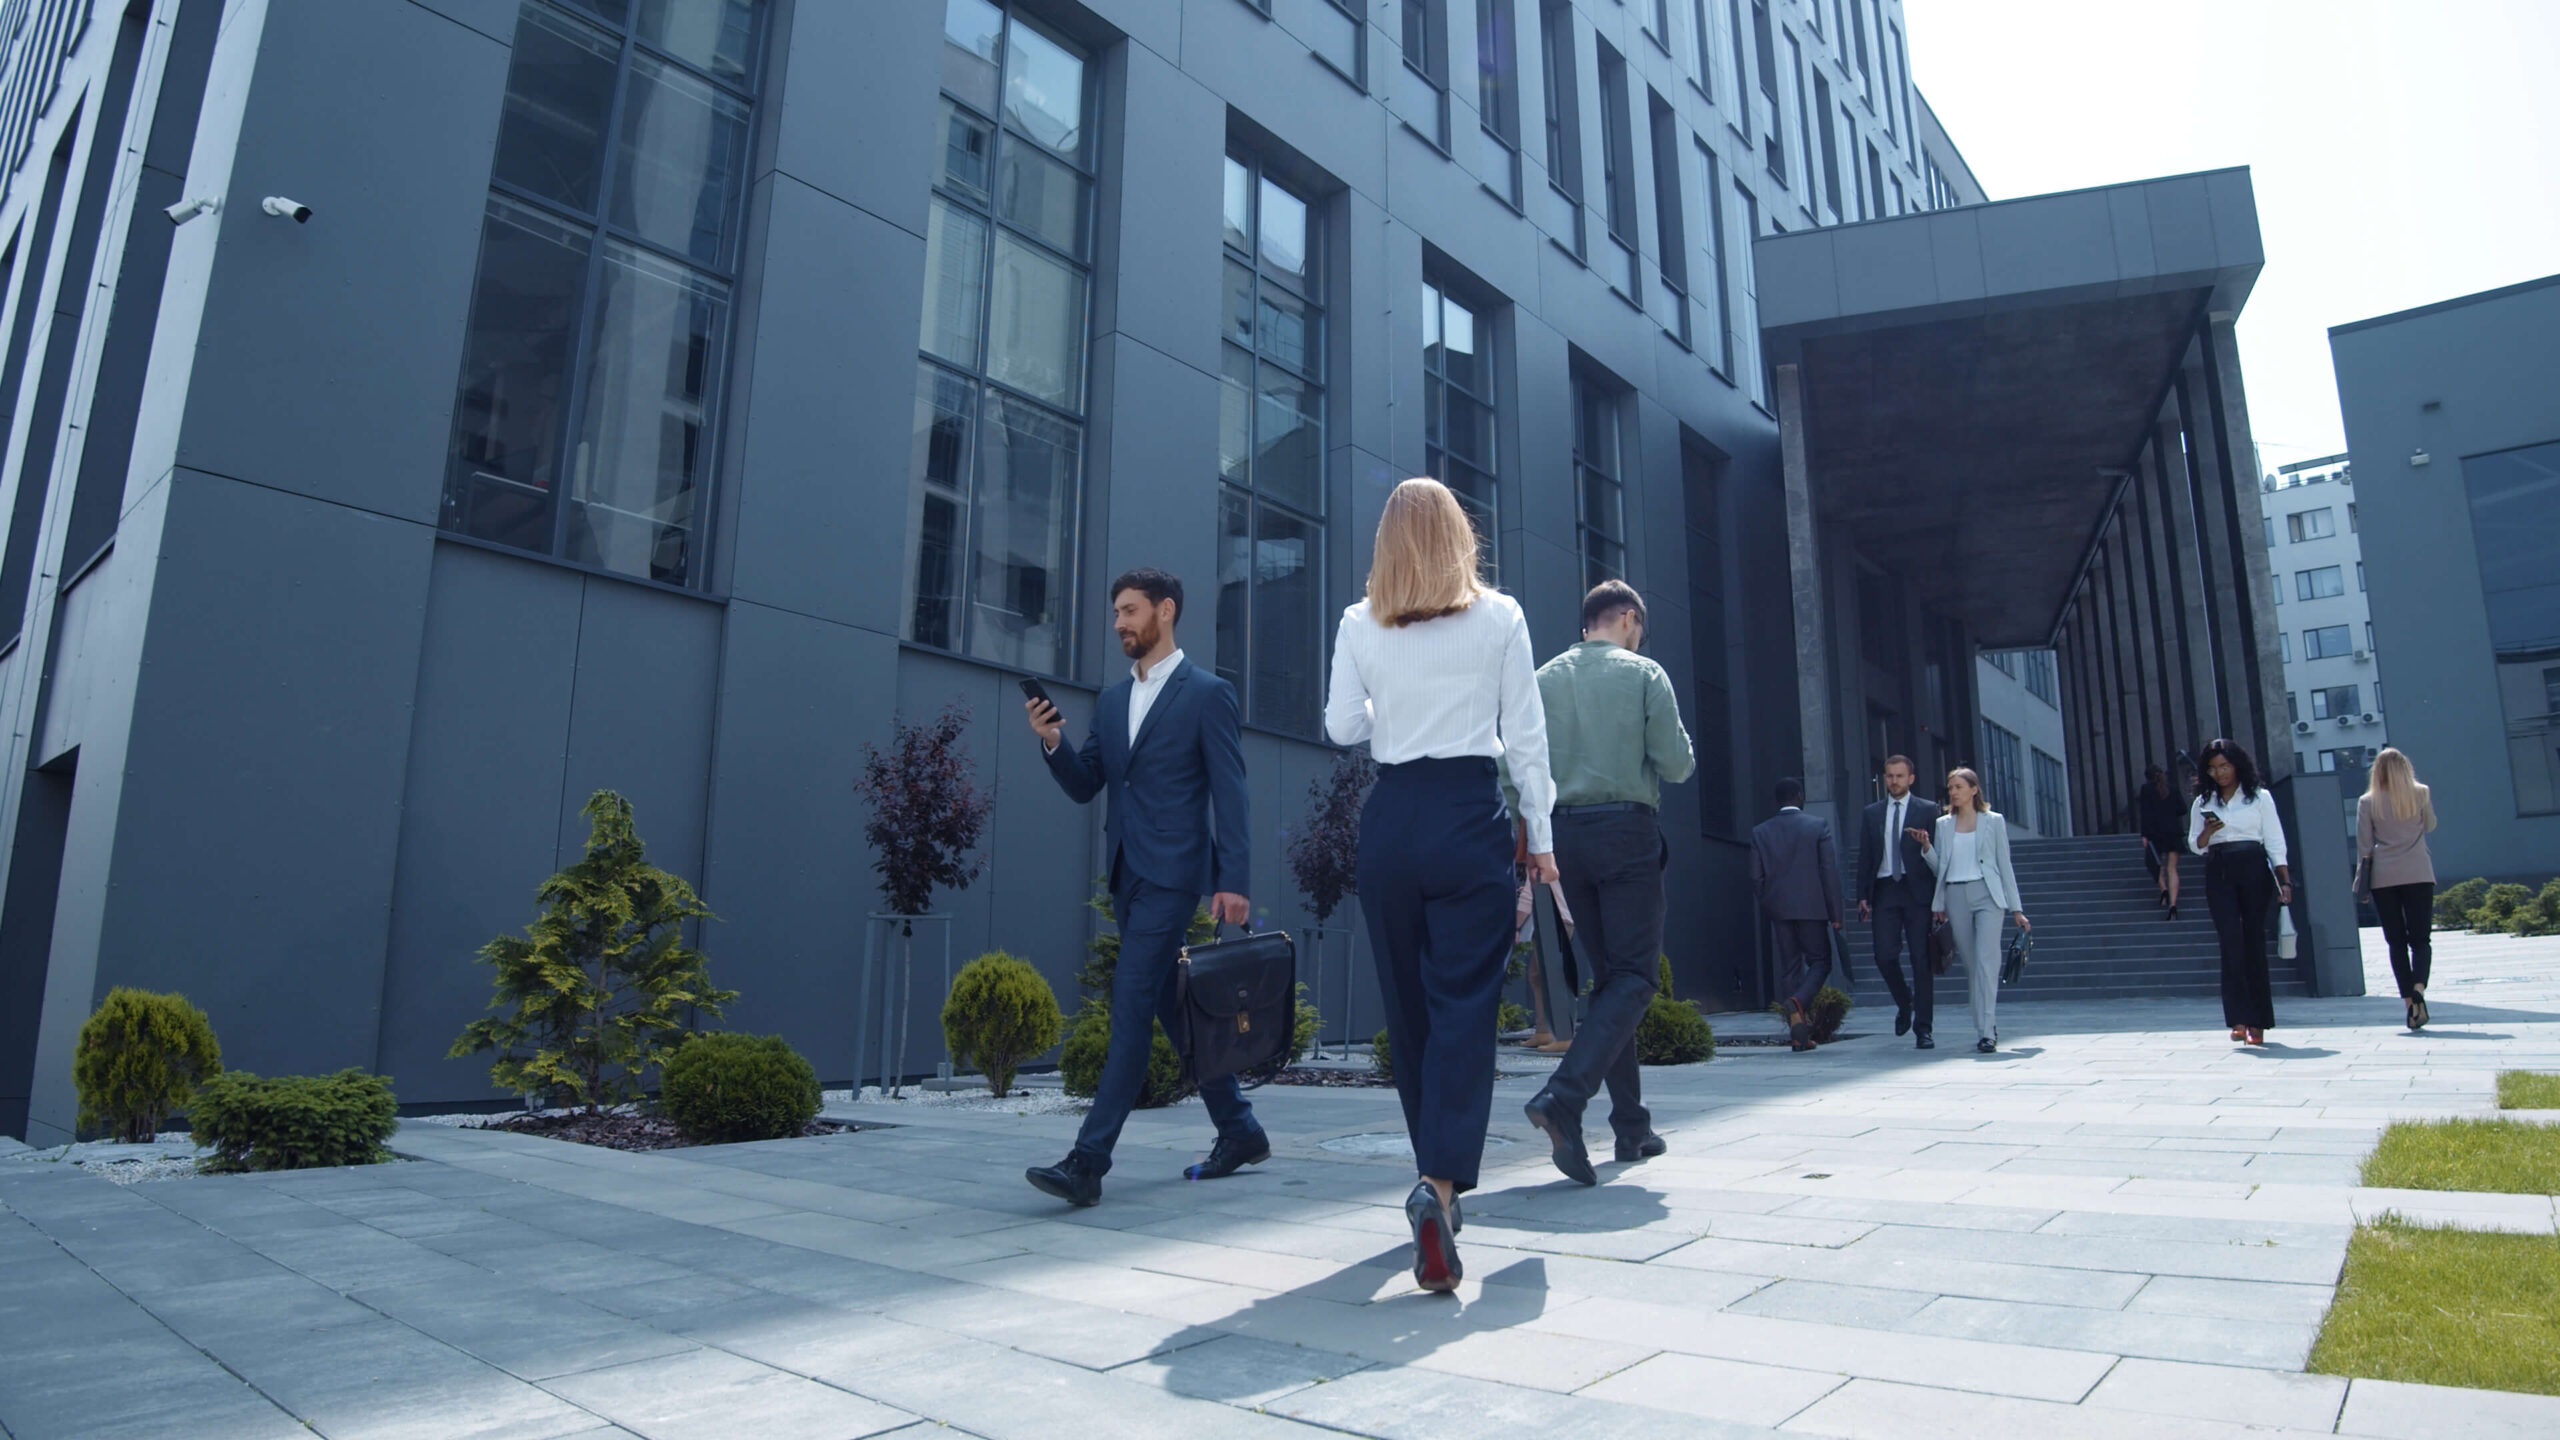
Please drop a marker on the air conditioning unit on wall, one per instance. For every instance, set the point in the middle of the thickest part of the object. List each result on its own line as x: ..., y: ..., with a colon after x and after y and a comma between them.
x: 2366, y: 717
x: 2302, y: 727
x: 2345, y: 720
x: 2363, y: 655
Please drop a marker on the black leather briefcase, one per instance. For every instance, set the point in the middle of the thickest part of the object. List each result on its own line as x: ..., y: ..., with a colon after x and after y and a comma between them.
x: 1237, y: 1000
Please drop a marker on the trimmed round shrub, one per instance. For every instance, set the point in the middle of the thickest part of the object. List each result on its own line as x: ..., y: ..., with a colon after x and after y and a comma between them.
x: 2541, y: 914
x: 139, y: 1060
x: 1302, y: 1032
x: 2455, y: 904
x: 1672, y: 1032
x: 1001, y: 1013
x: 2497, y: 909
x: 720, y: 1087
x: 1830, y: 1007
x: 1089, y: 1042
x: 1512, y: 1016
x: 1384, y: 1063
x: 294, y: 1122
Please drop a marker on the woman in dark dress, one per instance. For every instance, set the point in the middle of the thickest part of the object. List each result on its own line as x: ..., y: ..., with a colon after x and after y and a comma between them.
x: 2164, y: 829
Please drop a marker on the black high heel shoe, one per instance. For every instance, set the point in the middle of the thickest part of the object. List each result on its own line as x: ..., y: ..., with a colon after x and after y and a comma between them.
x: 1435, y: 1244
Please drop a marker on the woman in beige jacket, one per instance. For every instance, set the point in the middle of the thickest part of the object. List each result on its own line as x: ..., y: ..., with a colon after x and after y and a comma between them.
x: 2392, y: 820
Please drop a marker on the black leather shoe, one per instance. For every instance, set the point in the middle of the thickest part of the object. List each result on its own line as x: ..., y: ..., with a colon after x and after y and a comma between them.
x: 1070, y: 1180
x: 1985, y: 1046
x: 1644, y: 1149
x: 1902, y: 1020
x: 1799, y: 1027
x: 1564, y: 1133
x: 1925, y: 1042
x: 1231, y: 1154
x: 1435, y: 1245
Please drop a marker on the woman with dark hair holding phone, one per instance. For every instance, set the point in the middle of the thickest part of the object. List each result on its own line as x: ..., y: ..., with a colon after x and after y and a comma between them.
x: 2234, y: 826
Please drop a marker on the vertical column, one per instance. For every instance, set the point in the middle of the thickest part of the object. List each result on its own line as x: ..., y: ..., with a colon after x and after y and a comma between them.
x: 2109, y: 616
x: 2255, y: 652
x: 2081, y: 721
x: 2216, y: 595
x: 2164, y: 677
x: 2139, y: 689
x: 2186, y: 580
x: 1804, y: 566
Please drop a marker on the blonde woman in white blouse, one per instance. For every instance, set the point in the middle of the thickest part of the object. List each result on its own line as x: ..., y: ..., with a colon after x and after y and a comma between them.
x: 1434, y: 670
x: 2233, y: 824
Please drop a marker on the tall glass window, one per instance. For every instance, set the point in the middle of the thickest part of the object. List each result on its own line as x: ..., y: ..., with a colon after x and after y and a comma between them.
x: 587, y: 419
x: 2515, y: 510
x: 1457, y: 411
x: 1271, y: 452
x: 2053, y: 810
x: 2001, y: 767
x: 1599, y: 468
x: 998, y: 454
x: 1498, y: 96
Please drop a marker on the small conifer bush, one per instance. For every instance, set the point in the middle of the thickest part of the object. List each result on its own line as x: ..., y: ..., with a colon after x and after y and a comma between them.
x: 1001, y: 1013
x: 294, y: 1122
x: 1512, y: 1016
x: 1089, y: 1041
x: 721, y: 1087
x: 1830, y: 1007
x: 2455, y: 903
x: 1671, y: 1031
x: 139, y: 1060
x: 2497, y: 909
x: 1379, y: 1057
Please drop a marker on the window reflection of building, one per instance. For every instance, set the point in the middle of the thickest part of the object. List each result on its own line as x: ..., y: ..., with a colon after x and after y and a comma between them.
x: 2515, y: 512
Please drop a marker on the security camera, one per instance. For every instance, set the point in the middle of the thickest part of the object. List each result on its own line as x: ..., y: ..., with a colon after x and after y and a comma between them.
x: 186, y: 210
x: 280, y: 206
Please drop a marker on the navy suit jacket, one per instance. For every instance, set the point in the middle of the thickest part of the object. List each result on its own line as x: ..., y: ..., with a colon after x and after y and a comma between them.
x: 1795, y: 867
x: 1178, y: 813
x: 1916, y: 813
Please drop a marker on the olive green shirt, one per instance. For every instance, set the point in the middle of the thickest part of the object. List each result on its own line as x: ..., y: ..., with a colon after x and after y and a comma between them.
x: 1613, y: 726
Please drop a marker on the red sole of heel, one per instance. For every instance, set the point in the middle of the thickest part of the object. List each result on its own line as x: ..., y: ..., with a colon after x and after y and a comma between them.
x: 1432, y: 1271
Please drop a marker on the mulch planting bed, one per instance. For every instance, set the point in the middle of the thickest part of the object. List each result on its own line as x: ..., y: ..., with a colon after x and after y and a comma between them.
x: 632, y: 1132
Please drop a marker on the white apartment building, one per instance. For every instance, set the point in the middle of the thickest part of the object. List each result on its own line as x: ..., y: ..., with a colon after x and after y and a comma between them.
x: 2021, y: 743
x: 2332, y: 679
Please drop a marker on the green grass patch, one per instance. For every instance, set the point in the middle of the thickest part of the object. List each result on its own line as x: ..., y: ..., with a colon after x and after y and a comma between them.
x: 2514, y: 1157
x: 2446, y: 1307
x: 2526, y: 1090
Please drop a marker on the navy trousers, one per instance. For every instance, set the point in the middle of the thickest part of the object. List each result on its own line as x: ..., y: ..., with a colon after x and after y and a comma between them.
x: 1804, y: 957
x: 1152, y: 921
x: 1437, y: 890
x: 1612, y: 862
x: 1900, y: 925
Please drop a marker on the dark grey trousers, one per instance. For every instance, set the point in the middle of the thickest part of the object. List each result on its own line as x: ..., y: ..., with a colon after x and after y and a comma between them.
x: 1612, y: 873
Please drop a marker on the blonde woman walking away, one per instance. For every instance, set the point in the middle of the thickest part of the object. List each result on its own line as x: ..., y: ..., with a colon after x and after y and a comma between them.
x: 2392, y: 865
x: 1434, y: 670
x: 1976, y: 886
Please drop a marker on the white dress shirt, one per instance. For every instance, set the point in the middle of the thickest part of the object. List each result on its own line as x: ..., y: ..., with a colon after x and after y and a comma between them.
x: 1143, y: 690
x: 2244, y: 818
x: 1463, y: 684
x: 1893, y: 812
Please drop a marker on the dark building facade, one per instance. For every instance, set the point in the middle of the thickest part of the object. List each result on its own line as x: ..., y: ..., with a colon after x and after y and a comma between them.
x: 663, y: 397
x: 2453, y: 420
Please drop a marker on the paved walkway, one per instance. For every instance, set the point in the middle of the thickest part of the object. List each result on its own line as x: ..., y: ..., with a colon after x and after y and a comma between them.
x: 2120, y: 1226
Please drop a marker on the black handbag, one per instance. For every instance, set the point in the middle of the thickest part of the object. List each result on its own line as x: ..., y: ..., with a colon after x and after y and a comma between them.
x: 1942, y: 947
x: 1237, y: 1002
x: 2014, y: 964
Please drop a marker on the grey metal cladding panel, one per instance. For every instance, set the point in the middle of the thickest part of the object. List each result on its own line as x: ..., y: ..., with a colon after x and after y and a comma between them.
x: 2181, y: 214
x: 328, y: 352
x: 1369, y: 288
x: 1165, y: 288
x: 1163, y: 472
x: 640, y: 721
x: 1550, y: 592
x: 493, y: 18
x: 1369, y: 479
x: 1955, y: 250
x: 858, y: 87
x: 787, y: 869
x: 1155, y: 24
x: 1538, y: 476
x: 479, y: 824
x: 2235, y: 218
x: 828, y: 412
x: 1264, y: 72
x: 1883, y: 267
x: 264, y: 769
x: 2052, y: 242
x: 2129, y: 210
x: 1798, y: 277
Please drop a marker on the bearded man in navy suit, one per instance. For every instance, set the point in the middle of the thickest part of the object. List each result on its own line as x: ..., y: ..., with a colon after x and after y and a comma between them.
x: 1167, y: 746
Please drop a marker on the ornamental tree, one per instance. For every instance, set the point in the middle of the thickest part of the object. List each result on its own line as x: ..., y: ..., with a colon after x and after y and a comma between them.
x: 927, y: 811
x: 1324, y: 852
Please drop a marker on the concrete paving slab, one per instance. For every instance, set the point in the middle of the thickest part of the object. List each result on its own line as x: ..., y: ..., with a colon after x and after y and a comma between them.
x: 2223, y: 1392
x: 2422, y: 1412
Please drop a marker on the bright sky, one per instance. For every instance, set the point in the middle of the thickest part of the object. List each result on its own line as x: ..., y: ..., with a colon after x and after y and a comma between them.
x: 2403, y: 151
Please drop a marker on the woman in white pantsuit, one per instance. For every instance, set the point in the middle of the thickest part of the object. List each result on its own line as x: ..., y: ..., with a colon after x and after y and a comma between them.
x: 1970, y: 855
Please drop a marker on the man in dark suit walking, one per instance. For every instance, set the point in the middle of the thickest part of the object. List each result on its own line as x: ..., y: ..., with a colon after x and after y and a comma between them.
x: 1894, y: 889
x: 1165, y: 744
x: 1795, y: 875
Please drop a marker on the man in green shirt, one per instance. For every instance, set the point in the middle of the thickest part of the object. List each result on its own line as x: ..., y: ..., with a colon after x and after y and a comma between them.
x: 1613, y: 737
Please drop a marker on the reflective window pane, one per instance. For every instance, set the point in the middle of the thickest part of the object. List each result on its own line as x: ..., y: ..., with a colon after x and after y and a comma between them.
x: 1287, y: 330
x: 1284, y: 231
x: 1235, y: 587
x: 510, y: 411
x: 1044, y: 197
x: 1288, y: 604
x: 1035, y: 327
x: 1044, y: 90
x: 1022, y: 535
x: 1600, y: 503
x: 644, y: 451
x: 684, y: 149
x: 1239, y: 205
x: 1235, y: 416
x: 1459, y: 359
x: 715, y: 35
x: 1431, y: 325
x: 1288, y: 441
x: 972, y: 40
x: 559, y: 93
x: 1239, y: 304
x: 968, y: 152
x: 1433, y: 410
x: 955, y: 268
x: 939, y: 461
x: 1467, y: 431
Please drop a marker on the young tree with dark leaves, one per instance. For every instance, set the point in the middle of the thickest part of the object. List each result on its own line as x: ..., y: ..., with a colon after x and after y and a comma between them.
x: 927, y: 811
x: 1324, y: 854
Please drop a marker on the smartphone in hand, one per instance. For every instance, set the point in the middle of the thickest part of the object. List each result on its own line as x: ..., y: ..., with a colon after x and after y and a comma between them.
x: 1034, y: 690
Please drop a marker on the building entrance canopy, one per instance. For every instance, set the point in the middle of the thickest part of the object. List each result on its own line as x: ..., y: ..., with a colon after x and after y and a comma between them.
x: 1976, y: 384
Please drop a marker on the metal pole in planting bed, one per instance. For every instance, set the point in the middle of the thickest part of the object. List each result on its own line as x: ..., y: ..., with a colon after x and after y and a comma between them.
x: 862, y: 996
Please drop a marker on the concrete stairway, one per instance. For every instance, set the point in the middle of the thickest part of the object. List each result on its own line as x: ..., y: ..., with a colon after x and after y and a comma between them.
x: 2099, y: 931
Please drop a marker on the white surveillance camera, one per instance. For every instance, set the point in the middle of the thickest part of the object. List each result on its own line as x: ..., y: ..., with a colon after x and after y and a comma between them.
x: 280, y: 206
x: 186, y: 210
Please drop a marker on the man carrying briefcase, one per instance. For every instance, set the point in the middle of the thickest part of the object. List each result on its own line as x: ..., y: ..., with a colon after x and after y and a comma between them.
x: 1166, y: 744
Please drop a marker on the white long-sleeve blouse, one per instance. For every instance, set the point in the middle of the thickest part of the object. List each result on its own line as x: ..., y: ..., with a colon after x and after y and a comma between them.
x: 1463, y: 684
x: 2244, y: 817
